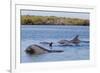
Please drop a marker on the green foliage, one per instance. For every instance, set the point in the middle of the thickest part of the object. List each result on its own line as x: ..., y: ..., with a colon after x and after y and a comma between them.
x: 52, y: 20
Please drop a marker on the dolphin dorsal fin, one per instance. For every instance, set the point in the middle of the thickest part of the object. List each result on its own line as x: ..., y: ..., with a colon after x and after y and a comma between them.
x: 76, y: 37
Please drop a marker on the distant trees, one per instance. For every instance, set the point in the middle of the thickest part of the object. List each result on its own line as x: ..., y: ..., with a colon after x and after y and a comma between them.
x: 52, y: 20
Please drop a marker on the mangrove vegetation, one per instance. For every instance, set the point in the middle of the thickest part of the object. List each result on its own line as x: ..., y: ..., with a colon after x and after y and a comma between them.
x: 52, y: 20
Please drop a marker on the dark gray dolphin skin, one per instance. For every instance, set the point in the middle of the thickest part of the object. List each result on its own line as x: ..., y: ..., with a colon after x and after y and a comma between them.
x: 36, y: 50
x: 75, y: 41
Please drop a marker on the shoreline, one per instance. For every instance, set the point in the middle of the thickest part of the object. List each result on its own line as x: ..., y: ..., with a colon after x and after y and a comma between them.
x: 52, y: 25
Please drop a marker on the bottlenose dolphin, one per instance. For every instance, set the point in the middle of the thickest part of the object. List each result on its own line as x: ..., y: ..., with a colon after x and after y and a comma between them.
x: 36, y: 50
x: 75, y: 41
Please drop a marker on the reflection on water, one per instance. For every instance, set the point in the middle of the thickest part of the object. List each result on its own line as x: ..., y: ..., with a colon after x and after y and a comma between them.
x: 40, y: 33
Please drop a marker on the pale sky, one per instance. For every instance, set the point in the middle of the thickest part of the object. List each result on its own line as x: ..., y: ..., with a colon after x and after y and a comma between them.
x: 82, y: 15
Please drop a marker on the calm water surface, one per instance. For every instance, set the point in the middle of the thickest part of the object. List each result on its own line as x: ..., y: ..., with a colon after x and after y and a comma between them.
x: 34, y: 34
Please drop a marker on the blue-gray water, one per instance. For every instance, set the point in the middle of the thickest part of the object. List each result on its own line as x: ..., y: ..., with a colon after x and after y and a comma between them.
x: 34, y: 34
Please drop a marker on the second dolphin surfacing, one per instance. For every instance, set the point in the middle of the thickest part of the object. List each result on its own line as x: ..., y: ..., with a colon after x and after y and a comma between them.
x: 75, y: 41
